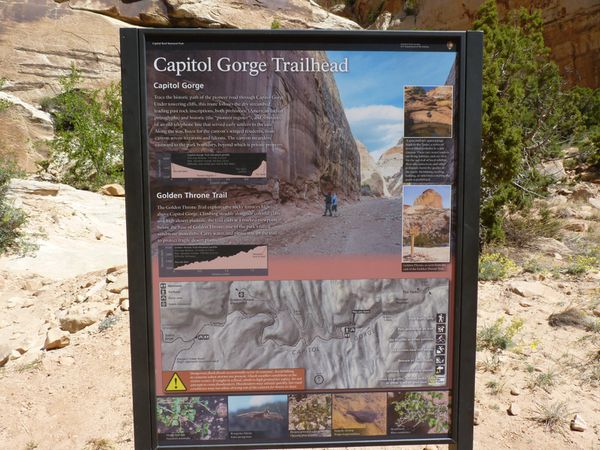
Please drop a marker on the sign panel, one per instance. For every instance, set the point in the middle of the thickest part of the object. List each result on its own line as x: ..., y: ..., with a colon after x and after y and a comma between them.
x: 302, y: 261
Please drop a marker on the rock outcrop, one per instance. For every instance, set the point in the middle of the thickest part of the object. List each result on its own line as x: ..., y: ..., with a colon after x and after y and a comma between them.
x: 371, y: 179
x: 570, y: 27
x: 429, y: 198
x: 218, y: 13
x: 36, y: 54
x: 24, y: 132
x: 390, y: 165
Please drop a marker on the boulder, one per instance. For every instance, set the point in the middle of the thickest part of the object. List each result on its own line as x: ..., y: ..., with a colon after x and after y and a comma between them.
x: 582, y: 194
x: 56, y: 338
x: 553, y: 169
x: 120, y: 284
x: 550, y: 246
x: 531, y: 289
x: 114, y: 190
x: 576, y: 225
x: 83, y: 315
x: 514, y: 409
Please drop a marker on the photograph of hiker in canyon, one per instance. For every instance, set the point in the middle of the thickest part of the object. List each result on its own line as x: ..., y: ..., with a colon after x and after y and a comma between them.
x: 334, y: 142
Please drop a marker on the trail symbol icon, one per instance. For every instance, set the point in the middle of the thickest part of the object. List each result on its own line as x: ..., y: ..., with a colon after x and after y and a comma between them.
x: 175, y: 384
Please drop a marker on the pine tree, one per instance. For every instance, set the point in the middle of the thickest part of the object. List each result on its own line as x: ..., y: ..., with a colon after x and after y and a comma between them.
x: 527, y: 115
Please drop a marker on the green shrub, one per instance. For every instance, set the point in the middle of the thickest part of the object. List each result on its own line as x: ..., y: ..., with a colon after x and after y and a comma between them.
x: 495, y: 266
x: 498, y: 336
x: 88, y: 147
x: 275, y: 25
x: 527, y: 113
x: 13, y: 239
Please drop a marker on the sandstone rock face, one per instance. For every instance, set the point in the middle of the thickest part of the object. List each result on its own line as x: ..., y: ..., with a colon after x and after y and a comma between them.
x: 313, y: 147
x: 36, y: 54
x: 24, y: 132
x: 371, y: 179
x: 218, y: 13
x: 429, y: 198
x: 570, y: 27
x: 36, y: 50
x: 390, y: 165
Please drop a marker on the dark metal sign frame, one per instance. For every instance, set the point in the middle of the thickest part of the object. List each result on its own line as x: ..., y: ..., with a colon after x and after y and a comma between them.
x: 138, y: 216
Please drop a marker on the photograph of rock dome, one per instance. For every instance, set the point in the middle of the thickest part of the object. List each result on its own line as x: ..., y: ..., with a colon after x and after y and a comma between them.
x: 426, y: 223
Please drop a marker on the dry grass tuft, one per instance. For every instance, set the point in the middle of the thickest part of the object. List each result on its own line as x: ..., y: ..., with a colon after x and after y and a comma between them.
x: 571, y: 316
x: 99, y: 444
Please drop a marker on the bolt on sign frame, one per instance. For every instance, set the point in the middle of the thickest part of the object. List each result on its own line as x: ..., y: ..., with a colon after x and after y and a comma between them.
x: 259, y: 321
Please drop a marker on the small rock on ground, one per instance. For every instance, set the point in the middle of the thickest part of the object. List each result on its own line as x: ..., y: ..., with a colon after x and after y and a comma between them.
x: 514, y: 409
x: 578, y: 424
x: 56, y: 338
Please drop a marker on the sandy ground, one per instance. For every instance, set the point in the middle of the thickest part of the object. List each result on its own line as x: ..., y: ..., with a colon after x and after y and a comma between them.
x: 427, y: 254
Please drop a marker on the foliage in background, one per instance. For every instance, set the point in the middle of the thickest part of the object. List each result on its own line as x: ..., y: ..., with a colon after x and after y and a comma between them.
x: 587, y: 137
x: 88, y: 146
x: 13, y: 239
x: 528, y: 115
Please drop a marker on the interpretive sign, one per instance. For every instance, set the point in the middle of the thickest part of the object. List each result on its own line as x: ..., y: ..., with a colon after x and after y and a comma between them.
x: 302, y: 218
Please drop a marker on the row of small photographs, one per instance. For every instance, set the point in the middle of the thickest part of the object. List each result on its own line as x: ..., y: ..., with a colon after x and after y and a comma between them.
x: 428, y: 111
x: 301, y: 416
x: 426, y: 223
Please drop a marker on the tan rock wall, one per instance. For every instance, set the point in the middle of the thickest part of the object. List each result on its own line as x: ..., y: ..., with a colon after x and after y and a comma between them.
x: 572, y: 27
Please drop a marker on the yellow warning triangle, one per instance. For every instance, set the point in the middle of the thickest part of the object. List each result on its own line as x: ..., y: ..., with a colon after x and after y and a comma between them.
x: 175, y: 384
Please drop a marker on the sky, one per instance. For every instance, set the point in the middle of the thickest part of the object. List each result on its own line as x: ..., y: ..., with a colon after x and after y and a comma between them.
x: 372, y: 90
x: 242, y: 402
x: 413, y: 191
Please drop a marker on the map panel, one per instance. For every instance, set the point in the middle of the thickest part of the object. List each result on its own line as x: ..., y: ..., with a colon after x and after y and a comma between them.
x: 345, y: 334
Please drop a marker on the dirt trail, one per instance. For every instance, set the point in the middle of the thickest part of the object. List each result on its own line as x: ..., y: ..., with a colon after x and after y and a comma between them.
x: 371, y: 226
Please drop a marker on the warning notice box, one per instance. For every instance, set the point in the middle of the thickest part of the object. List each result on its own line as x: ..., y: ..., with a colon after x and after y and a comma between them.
x: 237, y: 380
